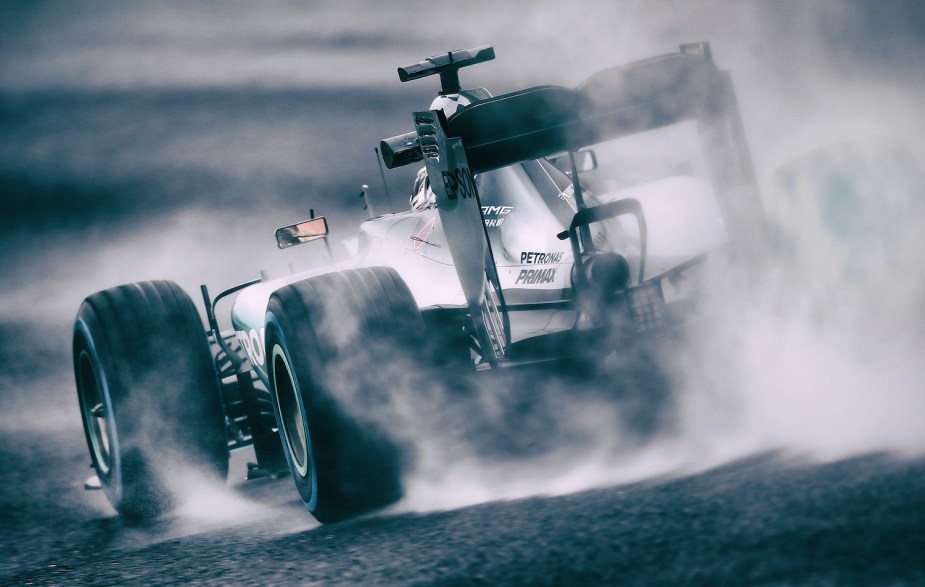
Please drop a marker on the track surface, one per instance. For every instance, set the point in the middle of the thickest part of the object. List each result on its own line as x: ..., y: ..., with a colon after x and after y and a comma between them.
x: 763, y: 520
x: 767, y: 519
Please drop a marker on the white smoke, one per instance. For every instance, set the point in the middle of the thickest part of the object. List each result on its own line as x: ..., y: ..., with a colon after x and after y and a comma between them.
x: 809, y: 357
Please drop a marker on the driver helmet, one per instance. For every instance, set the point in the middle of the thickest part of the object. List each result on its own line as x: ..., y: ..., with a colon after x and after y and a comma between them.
x: 422, y: 196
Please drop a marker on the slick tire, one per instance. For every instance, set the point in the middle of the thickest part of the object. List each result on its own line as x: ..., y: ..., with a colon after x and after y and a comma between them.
x: 149, y: 395
x: 337, y: 345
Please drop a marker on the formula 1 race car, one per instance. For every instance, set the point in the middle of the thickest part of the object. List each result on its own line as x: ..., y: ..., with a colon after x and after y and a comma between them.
x: 523, y: 247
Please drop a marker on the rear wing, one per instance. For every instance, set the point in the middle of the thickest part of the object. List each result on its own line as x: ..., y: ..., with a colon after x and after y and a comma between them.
x: 645, y: 95
x: 545, y: 120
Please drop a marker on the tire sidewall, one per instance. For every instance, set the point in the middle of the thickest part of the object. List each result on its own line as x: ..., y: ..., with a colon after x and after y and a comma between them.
x: 333, y: 329
x: 85, y: 343
x: 307, y: 484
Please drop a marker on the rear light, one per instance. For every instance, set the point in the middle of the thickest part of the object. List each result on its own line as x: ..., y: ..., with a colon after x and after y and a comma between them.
x: 647, y: 306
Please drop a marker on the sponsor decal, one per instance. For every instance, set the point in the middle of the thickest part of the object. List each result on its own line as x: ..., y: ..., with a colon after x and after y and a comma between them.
x: 252, y: 343
x: 535, y: 276
x: 495, y: 211
x: 458, y: 183
x: 540, y: 258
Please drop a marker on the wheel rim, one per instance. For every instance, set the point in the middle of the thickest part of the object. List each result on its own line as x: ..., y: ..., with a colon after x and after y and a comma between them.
x: 291, y: 412
x: 95, y: 411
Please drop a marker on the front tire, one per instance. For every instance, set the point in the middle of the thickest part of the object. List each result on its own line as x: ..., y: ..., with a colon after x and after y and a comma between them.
x: 336, y: 344
x: 148, y: 393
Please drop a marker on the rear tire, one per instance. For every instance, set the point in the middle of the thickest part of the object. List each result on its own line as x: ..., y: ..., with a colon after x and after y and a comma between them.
x: 336, y: 345
x: 149, y: 395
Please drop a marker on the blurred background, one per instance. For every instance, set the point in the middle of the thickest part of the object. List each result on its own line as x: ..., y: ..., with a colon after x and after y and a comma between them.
x: 168, y: 140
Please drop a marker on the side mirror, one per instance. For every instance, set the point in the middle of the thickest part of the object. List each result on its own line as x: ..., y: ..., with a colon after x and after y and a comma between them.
x: 584, y: 161
x: 303, y: 232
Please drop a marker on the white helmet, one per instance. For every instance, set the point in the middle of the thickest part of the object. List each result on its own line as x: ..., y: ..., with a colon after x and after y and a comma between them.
x: 422, y: 197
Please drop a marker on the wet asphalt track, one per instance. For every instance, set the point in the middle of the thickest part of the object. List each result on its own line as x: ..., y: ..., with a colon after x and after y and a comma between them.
x: 766, y: 520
